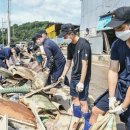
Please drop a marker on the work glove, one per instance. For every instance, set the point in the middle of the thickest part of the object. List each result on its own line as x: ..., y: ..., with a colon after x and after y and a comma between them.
x: 17, y: 63
x: 38, y: 53
x: 118, y: 110
x: 112, y: 103
x: 61, y: 79
x: 79, y: 87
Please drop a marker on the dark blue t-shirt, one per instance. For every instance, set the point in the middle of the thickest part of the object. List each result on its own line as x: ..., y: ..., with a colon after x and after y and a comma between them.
x: 5, y: 53
x: 120, y: 51
x: 52, y: 49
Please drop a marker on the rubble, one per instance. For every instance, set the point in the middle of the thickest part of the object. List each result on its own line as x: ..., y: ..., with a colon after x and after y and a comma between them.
x: 27, y: 103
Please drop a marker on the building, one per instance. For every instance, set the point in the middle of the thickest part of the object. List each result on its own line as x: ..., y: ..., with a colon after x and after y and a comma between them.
x: 91, y: 10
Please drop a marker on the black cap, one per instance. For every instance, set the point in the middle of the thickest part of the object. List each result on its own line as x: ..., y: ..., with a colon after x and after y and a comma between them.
x: 42, y: 32
x: 119, y: 17
x: 65, y: 28
x: 13, y: 45
x: 35, y: 37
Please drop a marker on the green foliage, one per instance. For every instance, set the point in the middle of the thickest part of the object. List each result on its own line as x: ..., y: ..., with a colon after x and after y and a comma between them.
x: 23, y: 32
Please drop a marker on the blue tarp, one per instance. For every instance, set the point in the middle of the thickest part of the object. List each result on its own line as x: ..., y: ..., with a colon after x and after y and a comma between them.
x: 103, y: 21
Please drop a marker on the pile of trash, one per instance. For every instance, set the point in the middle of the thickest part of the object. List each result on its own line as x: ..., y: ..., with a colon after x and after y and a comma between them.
x: 27, y: 103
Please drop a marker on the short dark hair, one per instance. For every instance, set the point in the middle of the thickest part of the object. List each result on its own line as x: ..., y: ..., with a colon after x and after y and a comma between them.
x: 73, y: 31
x: 35, y: 37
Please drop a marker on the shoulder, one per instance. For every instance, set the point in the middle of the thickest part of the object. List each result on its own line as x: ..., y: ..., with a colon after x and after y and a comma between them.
x: 117, y: 43
x: 7, y: 49
x: 49, y: 41
x: 84, y: 44
x: 71, y: 45
x: 83, y: 41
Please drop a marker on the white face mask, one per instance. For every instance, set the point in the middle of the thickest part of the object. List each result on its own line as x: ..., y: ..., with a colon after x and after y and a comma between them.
x: 123, y: 35
x: 68, y: 41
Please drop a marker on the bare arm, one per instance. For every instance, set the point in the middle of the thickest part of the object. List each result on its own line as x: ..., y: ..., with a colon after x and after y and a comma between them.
x: 84, y: 70
x: 113, y: 77
x: 126, y: 102
x: 67, y: 67
x: 7, y: 63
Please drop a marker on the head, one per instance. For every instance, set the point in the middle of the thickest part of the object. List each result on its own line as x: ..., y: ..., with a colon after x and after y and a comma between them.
x: 43, y: 33
x: 68, y: 32
x: 14, y: 50
x: 121, y: 23
x: 38, y: 39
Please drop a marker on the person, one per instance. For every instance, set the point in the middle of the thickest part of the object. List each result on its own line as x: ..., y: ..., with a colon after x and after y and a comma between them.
x: 54, y: 56
x: 119, y: 71
x: 2, y: 57
x: 16, y: 53
x: 5, y: 54
x: 79, y: 51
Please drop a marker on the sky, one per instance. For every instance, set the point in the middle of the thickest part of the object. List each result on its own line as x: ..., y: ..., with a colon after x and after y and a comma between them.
x: 22, y: 11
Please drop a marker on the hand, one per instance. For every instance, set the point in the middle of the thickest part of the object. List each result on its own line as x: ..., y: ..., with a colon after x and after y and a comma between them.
x: 17, y: 63
x: 118, y: 110
x: 61, y: 79
x: 79, y: 87
x: 38, y: 53
x: 112, y: 103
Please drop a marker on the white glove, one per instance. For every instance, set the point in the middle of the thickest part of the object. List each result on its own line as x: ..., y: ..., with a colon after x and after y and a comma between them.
x: 118, y: 110
x: 79, y: 87
x: 38, y: 53
x: 112, y: 103
x: 17, y: 63
x: 61, y: 79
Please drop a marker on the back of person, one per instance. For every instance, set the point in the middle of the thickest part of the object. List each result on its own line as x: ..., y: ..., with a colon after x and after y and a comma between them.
x: 55, y: 50
x: 7, y: 52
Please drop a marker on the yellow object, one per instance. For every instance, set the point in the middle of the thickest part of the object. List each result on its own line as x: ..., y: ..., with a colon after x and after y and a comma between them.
x: 51, y: 31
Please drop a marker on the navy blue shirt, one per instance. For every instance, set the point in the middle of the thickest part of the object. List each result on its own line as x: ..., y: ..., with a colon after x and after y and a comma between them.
x: 52, y: 49
x: 5, y: 53
x: 120, y: 51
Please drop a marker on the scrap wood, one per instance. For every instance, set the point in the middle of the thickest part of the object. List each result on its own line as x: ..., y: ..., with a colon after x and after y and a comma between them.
x: 38, y: 120
x: 41, y: 89
x: 4, y: 122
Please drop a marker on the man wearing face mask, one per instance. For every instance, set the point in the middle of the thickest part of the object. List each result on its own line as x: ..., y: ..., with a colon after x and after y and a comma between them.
x: 54, y: 56
x: 80, y: 52
x: 119, y: 71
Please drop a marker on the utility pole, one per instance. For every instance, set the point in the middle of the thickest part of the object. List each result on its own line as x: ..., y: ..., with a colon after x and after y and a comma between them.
x: 2, y: 31
x: 8, y: 19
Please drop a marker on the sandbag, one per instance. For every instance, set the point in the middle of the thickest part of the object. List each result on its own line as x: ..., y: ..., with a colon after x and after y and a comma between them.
x: 106, y: 122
